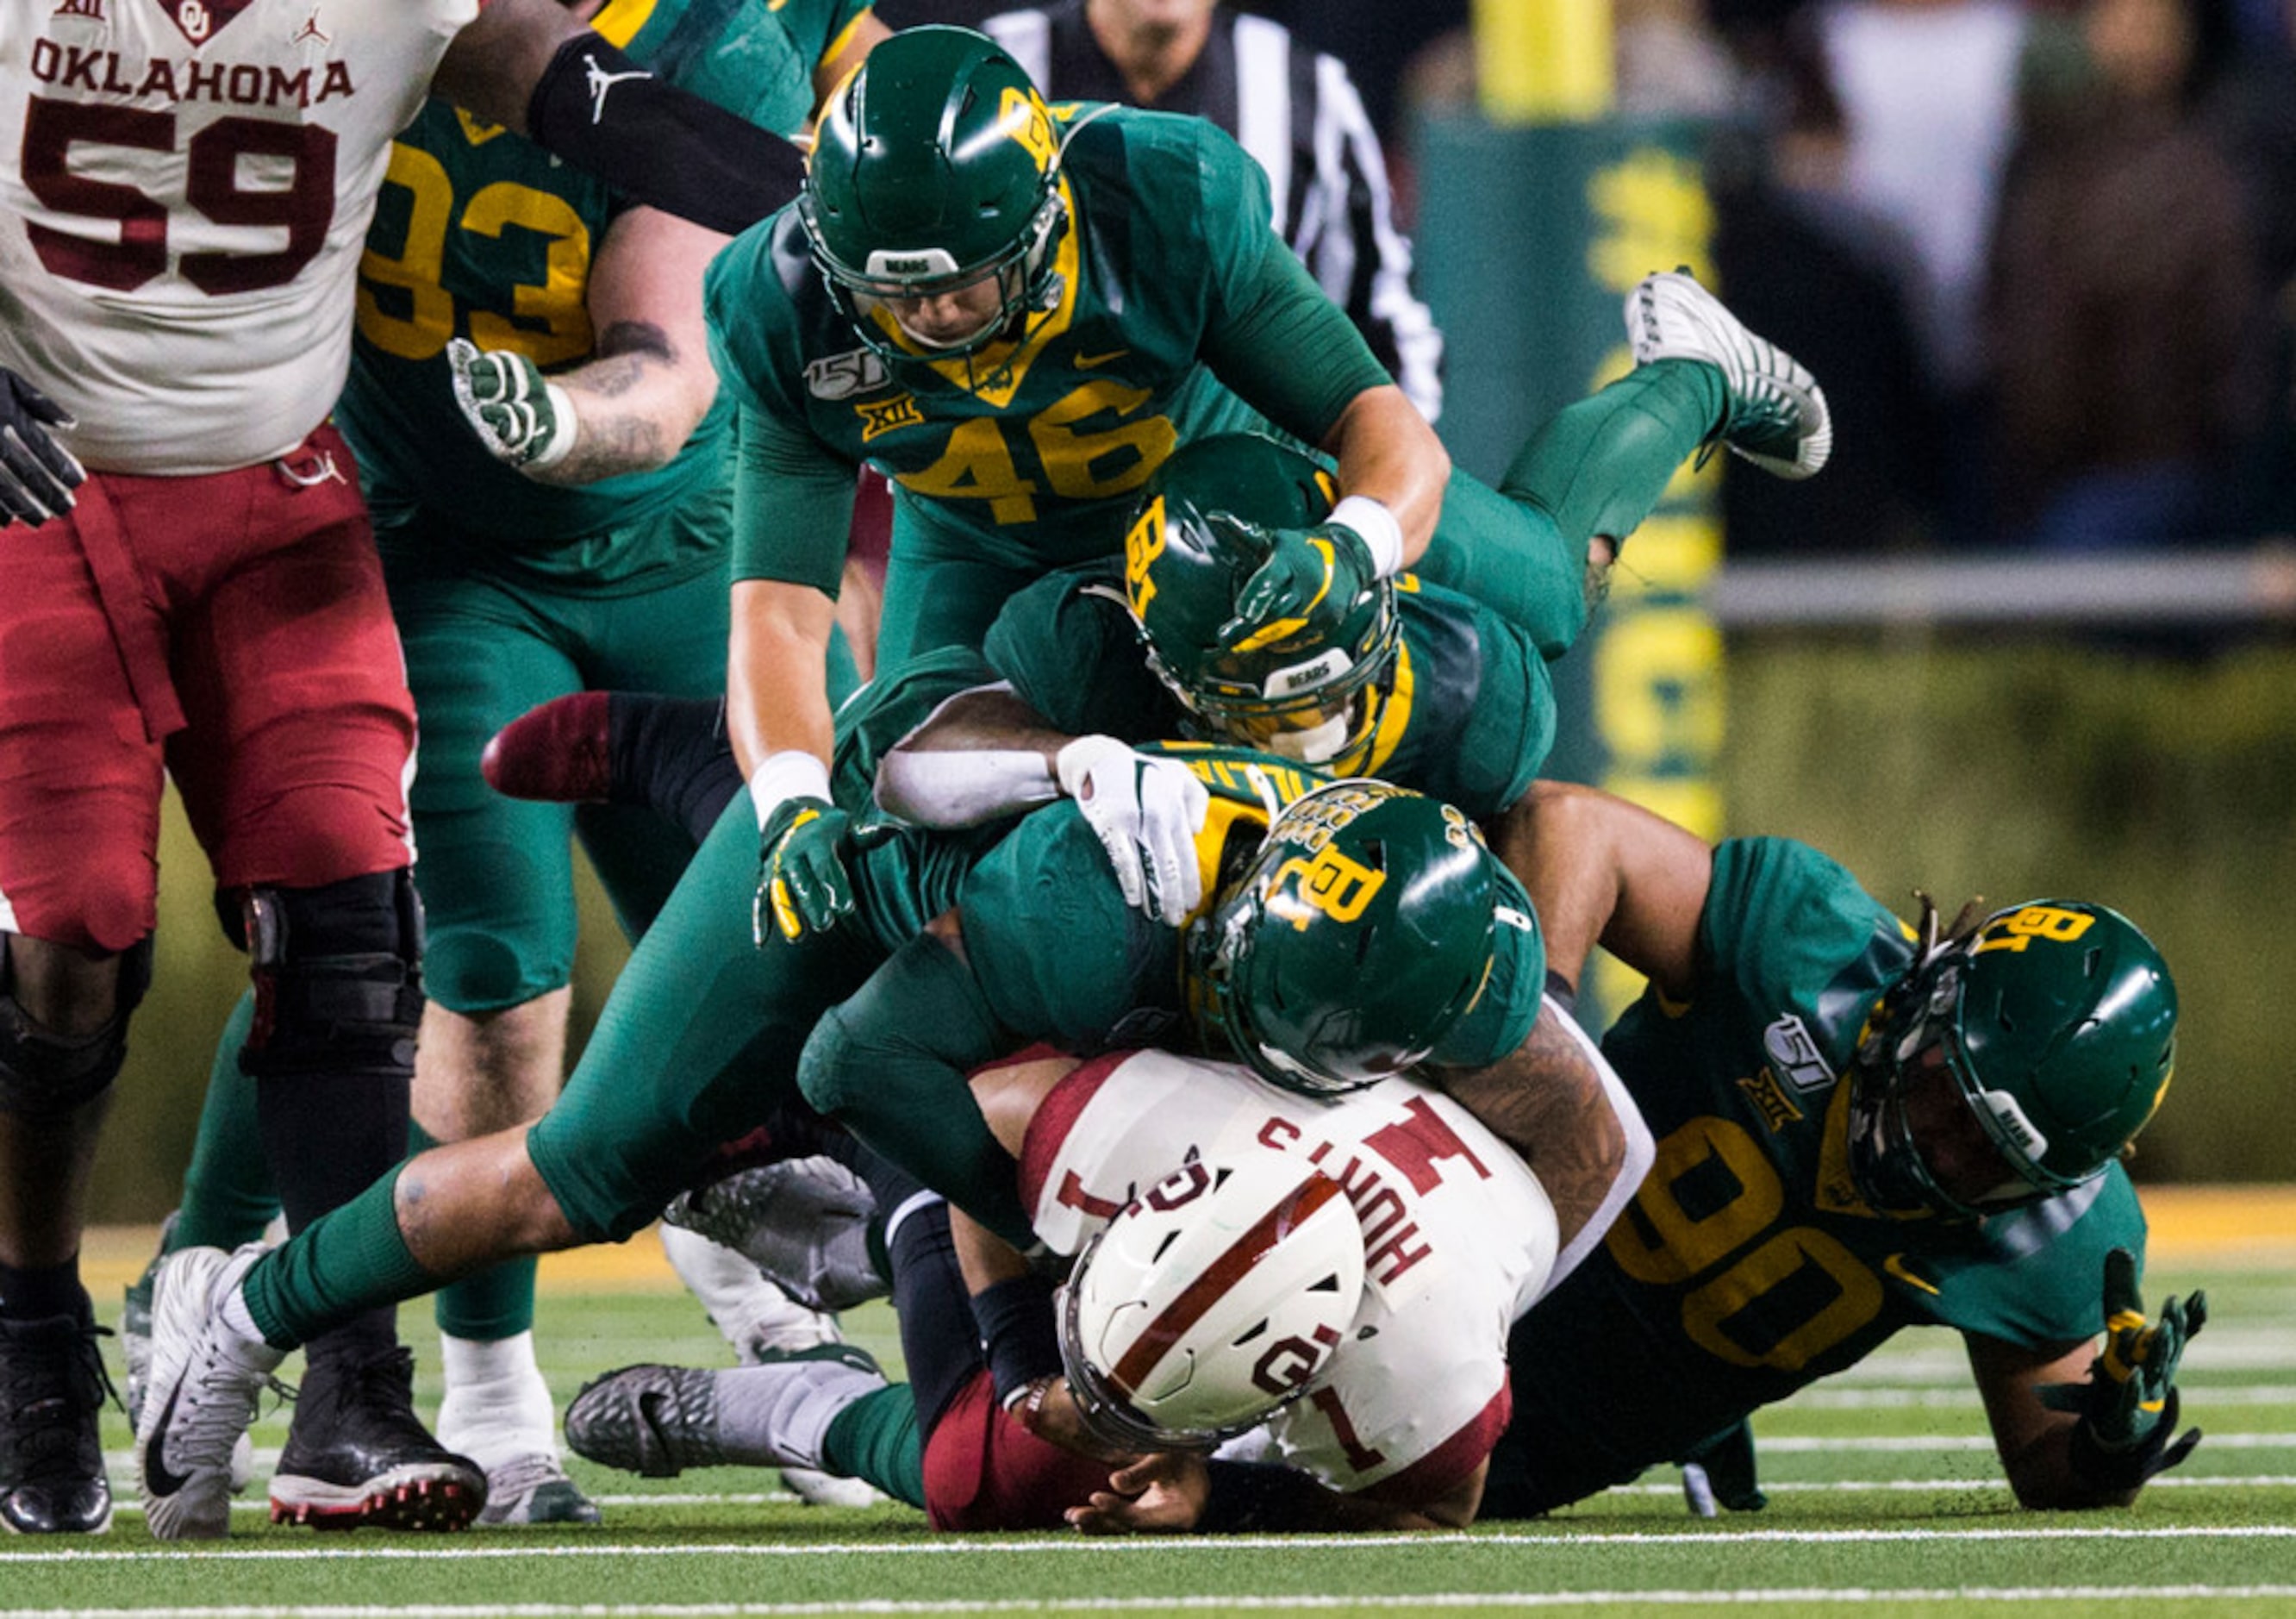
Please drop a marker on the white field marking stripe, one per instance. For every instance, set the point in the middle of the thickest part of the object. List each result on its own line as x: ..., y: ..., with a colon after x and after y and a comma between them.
x: 1792, y: 1444
x: 1733, y: 1597
x: 2173, y: 1481
x: 962, y: 1545
x: 2179, y: 1481
x: 772, y: 1498
x: 2196, y: 1395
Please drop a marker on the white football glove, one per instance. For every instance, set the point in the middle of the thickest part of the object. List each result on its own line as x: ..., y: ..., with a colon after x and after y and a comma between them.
x: 523, y: 418
x: 1147, y: 811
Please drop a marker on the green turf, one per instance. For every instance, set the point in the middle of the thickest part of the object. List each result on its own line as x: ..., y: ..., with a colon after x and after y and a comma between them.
x: 1885, y: 1497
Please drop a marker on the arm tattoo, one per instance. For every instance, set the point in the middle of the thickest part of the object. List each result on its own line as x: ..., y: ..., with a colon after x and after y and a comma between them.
x: 1545, y: 1101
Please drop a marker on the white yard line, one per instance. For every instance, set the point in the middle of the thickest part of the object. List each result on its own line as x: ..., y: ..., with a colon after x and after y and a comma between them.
x: 1847, y: 1596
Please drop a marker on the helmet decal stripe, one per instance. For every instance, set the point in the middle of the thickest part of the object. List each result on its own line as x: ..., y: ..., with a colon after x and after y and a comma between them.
x: 1150, y: 1347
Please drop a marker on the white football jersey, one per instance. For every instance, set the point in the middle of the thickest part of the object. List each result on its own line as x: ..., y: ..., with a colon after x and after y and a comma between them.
x: 184, y: 191
x: 1458, y: 1240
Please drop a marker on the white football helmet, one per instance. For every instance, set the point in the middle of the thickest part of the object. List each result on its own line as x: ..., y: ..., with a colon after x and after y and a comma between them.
x: 1216, y: 1295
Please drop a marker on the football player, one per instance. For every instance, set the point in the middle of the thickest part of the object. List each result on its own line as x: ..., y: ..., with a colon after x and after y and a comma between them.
x: 1445, y: 692
x: 1372, y: 1348
x: 1019, y: 314
x: 604, y: 565
x: 1862, y: 1127
x: 1425, y: 948
x: 194, y: 590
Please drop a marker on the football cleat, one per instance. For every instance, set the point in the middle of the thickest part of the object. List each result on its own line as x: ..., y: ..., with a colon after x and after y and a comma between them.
x: 205, y: 1375
x: 52, y: 1387
x: 557, y: 752
x: 1777, y: 417
x: 497, y: 1411
x: 804, y: 1223
x: 757, y: 1318
x: 357, y: 1456
x: 534, y: 1489
x: 136, y: 1347
x: 655, y: 1421
x: 135, y: 1326
x: 659, y: 1420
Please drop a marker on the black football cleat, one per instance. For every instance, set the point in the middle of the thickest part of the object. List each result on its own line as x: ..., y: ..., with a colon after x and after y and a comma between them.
x: 52, y: 1385
x: 357, y: 1456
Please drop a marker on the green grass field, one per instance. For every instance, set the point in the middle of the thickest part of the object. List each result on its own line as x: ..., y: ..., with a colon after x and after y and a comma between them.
x: 1885, y: 1497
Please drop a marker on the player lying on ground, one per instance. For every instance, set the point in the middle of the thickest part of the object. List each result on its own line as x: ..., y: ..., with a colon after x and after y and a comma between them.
x: 1861, y: 1127
x: 1426, y: 951
x: 1372, y: 1348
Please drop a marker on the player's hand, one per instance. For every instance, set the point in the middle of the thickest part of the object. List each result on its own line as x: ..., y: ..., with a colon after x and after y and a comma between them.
x: 38, y: 474
x: 1721, y: 1473
x: 1146, y: 810
x: 1047, y: 1409
x: 2129, y: 1399
x: 523, y: 418
x: 1311, y: 575
x: 802, y: 887
x: 1163, y: 1493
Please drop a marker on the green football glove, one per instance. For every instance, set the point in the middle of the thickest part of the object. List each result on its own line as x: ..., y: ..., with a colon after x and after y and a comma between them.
x: 523, y: 418
x: 801, y: 882
x: 2128, y: 1406
x: 1721, y: 1473
x: 1310, y: 574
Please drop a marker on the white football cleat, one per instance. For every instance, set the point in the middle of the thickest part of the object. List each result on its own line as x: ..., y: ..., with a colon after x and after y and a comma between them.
x: 1777, y: 417
x: 201, y: 1397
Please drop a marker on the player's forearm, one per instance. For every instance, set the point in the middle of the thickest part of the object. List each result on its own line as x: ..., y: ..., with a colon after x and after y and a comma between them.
x: 1387, y: 452
x: 776, y: 686
x: 1557, y: 1103
x: 982, y: 755
x: 634, y: 407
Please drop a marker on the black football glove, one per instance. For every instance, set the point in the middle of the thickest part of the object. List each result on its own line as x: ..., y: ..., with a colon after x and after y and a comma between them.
x: 38, y: 474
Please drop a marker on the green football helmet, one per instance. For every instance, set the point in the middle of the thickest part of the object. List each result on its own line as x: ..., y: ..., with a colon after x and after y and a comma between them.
x: 934, y: 165
x: 1363, y: 931
x: 1203, y: 526
x: 2054, y: 1025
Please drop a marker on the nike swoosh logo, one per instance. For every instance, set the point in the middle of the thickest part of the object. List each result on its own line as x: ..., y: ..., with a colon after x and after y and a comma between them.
x: 157, y: 1479
x: 1087, y: 362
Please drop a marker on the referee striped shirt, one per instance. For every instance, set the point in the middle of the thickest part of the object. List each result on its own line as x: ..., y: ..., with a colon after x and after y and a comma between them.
x: 1298, y: 114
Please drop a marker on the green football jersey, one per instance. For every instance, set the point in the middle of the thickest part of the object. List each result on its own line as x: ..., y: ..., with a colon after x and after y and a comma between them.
x: 1026, y: 456
x: 1465, y: 715
x: 481, y: 234
x: 1061, y: 957
x: 1748, y: 1265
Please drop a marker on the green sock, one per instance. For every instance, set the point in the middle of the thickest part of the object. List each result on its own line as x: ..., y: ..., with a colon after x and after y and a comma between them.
x: 486, y: 1305
x: 1600, y: 465
x: 875, y: 1438
x: 228, y: 1193
x: 346, y: 1262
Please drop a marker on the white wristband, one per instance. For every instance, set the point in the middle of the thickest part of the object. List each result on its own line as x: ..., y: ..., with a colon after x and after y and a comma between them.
x: 561, y: 442
x: 1381, y: 534
x: 791, y: 773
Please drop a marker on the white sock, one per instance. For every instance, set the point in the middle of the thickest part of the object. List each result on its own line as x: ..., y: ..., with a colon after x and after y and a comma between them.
x: 497, y: 1408
x: 750, y: 1310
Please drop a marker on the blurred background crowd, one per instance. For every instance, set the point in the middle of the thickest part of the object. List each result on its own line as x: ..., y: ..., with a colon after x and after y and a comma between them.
x: 2042, y: 253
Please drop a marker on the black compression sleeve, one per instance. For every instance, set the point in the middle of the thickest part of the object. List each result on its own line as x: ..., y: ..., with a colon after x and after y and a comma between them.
x: 601, y: 112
